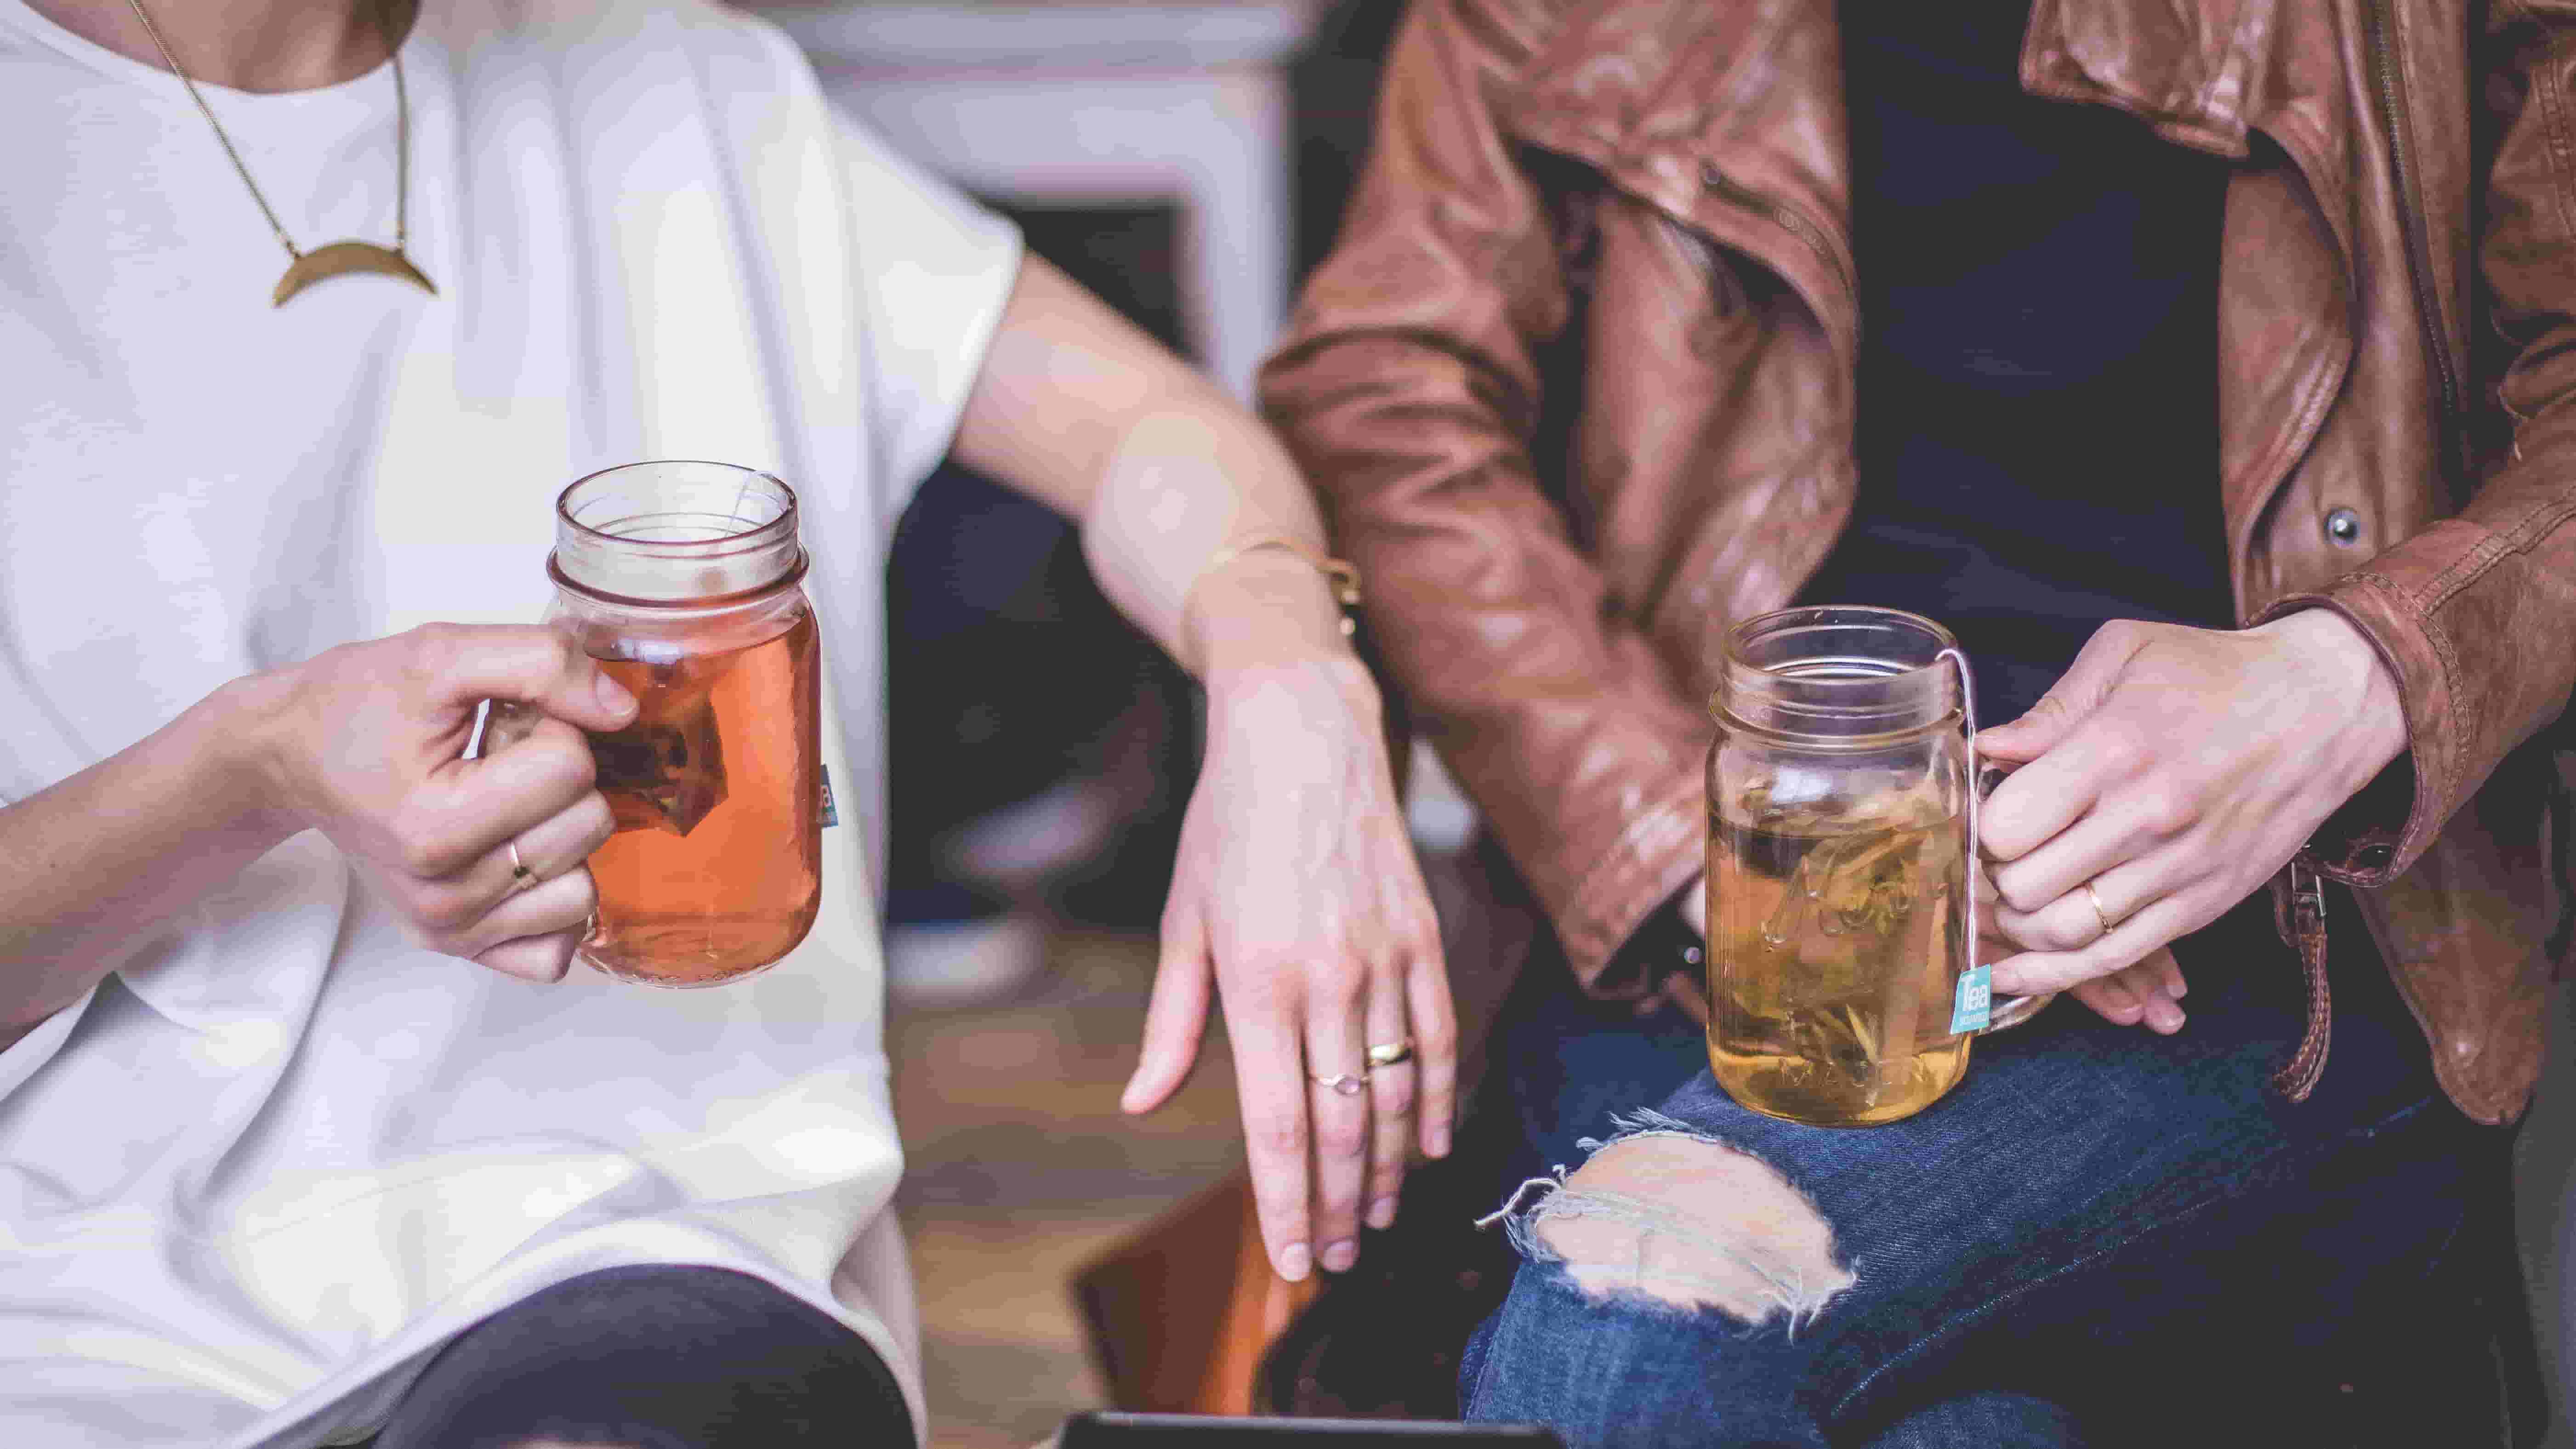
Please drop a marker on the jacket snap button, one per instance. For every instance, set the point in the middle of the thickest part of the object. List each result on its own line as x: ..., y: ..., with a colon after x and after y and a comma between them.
x: 2375, y: 855
x: 2344, y: 527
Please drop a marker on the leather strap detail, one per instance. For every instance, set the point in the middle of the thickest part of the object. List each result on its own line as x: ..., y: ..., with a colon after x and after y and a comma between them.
x: 2299, y: 913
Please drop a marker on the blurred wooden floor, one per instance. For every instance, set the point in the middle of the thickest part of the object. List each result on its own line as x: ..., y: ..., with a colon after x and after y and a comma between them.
x: 1020, y: 1167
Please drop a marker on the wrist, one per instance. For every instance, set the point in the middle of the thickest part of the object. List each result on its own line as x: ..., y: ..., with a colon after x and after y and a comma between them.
x: 2357, y: 674
x: 1262, y: 611
x: 233, y: 761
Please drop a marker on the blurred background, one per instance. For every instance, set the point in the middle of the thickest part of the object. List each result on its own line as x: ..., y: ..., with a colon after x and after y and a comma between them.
x: 1189, y: 162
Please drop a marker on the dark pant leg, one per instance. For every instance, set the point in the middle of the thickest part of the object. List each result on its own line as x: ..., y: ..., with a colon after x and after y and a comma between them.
x: 2101, y: 1237
x: 654, y: 1357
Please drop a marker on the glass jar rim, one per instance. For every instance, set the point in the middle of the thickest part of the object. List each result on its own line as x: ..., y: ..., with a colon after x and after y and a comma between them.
x: 758, y: 535
x: 613, y: 527
x: 1850, y: 701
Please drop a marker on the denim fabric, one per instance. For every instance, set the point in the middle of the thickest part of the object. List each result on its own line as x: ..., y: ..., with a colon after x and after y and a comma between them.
x: 2101, y: 1236
x: 661, y: 1357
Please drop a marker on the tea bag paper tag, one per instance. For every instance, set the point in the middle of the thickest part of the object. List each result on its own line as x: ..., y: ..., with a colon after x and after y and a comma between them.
x: 831, y: 813
x: 1974, y: 1004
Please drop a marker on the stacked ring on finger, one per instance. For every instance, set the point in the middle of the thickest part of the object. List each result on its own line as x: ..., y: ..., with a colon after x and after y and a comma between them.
x: 1391, y: 1054
x: 2099, y: 914
x: 1348, y: 1084
x: 521, y: 878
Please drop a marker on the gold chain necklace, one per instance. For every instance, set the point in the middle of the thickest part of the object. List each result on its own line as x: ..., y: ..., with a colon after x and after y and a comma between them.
x: 339, y: 258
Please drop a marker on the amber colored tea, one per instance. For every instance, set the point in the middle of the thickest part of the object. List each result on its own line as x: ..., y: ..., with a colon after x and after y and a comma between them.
x: 1833, y: 956
x: 716, y: 867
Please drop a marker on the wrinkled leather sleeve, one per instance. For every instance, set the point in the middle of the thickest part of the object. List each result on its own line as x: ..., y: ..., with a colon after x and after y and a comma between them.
x: 1409, y: 388
x: 2476, y: 615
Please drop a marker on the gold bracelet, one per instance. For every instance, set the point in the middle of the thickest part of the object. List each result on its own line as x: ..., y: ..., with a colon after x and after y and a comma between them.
x: 1340, y: 575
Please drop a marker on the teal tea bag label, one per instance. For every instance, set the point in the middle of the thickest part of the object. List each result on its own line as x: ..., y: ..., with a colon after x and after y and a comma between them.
x: 831, y: 816
x: 1974, y: 1005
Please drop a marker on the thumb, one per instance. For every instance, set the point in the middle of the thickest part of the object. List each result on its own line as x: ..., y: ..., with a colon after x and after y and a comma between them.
x: 1176, y: 1018
x: 2077, y: 693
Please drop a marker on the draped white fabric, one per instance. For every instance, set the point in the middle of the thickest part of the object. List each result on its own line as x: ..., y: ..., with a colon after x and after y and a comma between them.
x: 281, y: 1155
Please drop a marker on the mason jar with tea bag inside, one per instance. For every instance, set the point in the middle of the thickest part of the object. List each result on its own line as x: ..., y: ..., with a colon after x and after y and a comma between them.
x: 1842, y: 824
x: 684, y: 580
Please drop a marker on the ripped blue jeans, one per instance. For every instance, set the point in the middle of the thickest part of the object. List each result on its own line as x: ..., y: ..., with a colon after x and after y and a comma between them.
x: 2100, y: 1237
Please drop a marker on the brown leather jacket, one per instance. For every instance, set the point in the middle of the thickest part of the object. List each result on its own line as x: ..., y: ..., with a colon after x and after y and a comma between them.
x: 1578, y: 388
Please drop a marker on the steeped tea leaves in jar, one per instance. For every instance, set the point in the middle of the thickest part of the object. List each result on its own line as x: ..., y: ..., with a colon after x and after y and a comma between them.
x: 665, y: 771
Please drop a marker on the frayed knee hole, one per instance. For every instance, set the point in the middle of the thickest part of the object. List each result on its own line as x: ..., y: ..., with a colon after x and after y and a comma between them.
x: 1694, y: 1224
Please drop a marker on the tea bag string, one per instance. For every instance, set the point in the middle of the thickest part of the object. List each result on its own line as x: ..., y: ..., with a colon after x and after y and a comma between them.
x: 1968, y: 707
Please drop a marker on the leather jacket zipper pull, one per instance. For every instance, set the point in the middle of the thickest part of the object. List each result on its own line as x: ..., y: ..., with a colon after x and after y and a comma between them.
x: 2300, y: 913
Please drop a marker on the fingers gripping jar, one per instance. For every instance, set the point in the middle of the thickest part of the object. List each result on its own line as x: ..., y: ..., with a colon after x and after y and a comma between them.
x: 1841, y: 827
x: 685, y: 580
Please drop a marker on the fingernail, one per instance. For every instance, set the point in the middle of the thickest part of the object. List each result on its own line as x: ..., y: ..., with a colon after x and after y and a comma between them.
x: 1295, y: 1262
x: 613, y: 696
x: 2177, y: 989
x: 1438, y: 1143
x: 1340, y: 1256
x: 1382, y: 1214
x: 1127, y: 1098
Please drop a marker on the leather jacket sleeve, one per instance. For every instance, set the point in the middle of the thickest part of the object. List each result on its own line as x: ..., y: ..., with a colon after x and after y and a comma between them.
x: 2476, y: 615
x: 1409, y: 389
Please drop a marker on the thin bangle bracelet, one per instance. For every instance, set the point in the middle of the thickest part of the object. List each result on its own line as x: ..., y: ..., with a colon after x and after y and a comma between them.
x: 1340, y: 575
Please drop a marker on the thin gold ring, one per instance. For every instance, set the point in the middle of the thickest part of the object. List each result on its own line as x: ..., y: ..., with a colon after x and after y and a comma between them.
x: 2099, y: 914
x: 1346, y: 1084
x: 520, y: 876
x: 1393, y: 1053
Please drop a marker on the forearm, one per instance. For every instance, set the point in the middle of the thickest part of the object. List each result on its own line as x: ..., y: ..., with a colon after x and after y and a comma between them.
x: 95, y: 864
x: 1197, y: 477
x: 1079, y: 409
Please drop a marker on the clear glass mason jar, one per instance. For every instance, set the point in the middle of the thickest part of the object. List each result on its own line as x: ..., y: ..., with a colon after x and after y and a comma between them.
x: 1840, y: 829
x: 684, y: 579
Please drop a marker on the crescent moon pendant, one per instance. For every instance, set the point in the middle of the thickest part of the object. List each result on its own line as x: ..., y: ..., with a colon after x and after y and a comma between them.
x: 340, y: 259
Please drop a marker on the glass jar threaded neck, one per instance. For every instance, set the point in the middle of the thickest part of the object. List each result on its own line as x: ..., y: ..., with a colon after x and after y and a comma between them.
x: 677, y: 532
x: 1837, y: 676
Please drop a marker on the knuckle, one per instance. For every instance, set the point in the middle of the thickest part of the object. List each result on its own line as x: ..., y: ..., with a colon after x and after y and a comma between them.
x: 2067, y: 935
x: 598, y: 822
x: 2165, y: 809
x: 569, y: 762
x: 2118, y: 634
x: 424, y: 854
x: 2002, y: 843
x: 435, y: 648
x: 1395, y: 1095
x: 445, y: 912
x: 1436, y: 1038
x: 1278, y: 1136
x: 1343, y: 1139
x: 2017, y: 891
x: 1342, y: 983
x: 2121, y: 750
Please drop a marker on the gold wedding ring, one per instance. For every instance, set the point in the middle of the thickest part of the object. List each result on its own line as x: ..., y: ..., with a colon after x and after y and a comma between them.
x: 520, y: 876
x: 1393, y: 1053
x: 2099, y: 914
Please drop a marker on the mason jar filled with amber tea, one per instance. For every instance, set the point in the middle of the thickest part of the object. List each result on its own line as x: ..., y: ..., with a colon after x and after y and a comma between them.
x: 1840, y: 835
x: 684, y: 580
